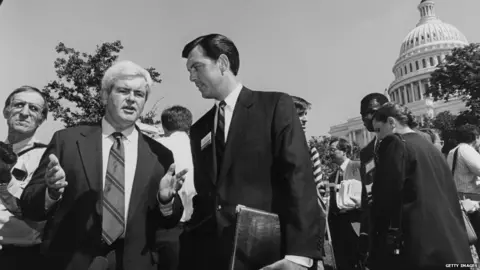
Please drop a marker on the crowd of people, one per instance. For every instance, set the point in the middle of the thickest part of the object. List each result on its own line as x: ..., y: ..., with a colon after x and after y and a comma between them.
x: 107, y: 196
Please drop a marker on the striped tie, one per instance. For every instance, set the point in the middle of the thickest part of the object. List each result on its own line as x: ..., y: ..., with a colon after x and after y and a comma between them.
x: 220, y: 134
x: 113, y: 220
x: 317, y: 171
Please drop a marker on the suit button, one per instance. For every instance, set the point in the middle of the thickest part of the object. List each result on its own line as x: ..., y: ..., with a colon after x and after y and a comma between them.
x: 219, y: 207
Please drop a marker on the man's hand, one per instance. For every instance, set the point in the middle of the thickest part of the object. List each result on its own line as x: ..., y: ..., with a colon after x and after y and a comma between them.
x: 469, y: 205
x: 170, y: 184
x: 284, y: 264
x: 55, y: 178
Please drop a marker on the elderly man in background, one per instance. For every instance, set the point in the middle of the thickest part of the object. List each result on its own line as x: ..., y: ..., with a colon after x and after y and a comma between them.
x: 25, y: 110
x: 105, y: 189
x: 176, y: 123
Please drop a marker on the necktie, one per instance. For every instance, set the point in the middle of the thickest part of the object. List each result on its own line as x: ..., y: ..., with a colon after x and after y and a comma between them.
x: 113, y: 218
x: 317, y: 171
x: 376, y: 148
x: 220, y: 134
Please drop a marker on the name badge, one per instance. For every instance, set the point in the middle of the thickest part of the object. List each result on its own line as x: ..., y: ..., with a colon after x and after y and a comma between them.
x: 370, y: 166
x: 206, y: 141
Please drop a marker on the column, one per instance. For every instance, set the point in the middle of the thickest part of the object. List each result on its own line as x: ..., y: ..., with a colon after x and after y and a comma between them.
x: 412, y: 92
x: 354, y: 136
x: 350, y: 137
x: 422, y: 91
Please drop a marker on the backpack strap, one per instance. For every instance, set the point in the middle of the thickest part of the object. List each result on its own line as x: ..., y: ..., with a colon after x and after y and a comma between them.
x: 35, y: 146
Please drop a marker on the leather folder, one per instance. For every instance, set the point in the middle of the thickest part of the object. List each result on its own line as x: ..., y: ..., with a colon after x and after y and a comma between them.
x: 257, y: 239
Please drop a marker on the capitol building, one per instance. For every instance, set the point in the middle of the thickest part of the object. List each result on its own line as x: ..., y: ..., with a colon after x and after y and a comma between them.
x: 421, y: 51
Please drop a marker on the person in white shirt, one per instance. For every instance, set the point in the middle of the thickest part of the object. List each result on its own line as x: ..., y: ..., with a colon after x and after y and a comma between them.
x: 466, y: 175
x: 25, y: 110
x: 176, y: 123
x: 106, y: 188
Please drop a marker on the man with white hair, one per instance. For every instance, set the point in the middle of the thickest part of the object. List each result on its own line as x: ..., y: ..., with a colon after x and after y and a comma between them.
x: 104, y: 189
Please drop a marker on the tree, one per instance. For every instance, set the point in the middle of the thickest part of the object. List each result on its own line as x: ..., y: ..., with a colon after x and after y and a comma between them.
x: 322, y: 143
x: 427, y: 122
x: 459, y: 76
x: 75, y: 97
x: 444, y: 122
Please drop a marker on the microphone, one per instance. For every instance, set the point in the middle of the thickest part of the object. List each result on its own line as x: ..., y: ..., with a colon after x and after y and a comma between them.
x: 99, y: 263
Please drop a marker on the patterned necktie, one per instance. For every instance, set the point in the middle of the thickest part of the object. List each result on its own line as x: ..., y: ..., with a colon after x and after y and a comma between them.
x: 113, y: 218
x: 317, y: 171
x: 376, y: 148
x: 220, y: 134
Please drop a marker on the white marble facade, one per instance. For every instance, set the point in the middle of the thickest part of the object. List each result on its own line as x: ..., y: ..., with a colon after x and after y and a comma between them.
x: 421, y: 51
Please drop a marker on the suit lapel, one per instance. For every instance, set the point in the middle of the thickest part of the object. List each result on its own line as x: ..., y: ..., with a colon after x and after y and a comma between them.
x: 238, y: 126
x: 90, y: 148
x: 145, y: 163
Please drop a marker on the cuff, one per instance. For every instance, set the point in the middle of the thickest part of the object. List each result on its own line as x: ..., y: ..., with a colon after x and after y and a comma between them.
x: 166, y: 209
x: 49, y: 202
x: 303, y: 261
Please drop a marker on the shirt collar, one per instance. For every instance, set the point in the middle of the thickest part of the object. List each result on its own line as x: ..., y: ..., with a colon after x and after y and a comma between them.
x: 344, y: 164
x: 232, y: 98
x: 17, y: 147
x: 129, y: 133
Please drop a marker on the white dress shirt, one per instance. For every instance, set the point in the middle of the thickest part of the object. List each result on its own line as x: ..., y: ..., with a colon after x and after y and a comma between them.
x: 130, y: 142
x: 179, y: 143
x: 231, y: 101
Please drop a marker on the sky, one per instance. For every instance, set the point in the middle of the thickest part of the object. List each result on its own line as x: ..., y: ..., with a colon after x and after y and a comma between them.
x: 332, y: 53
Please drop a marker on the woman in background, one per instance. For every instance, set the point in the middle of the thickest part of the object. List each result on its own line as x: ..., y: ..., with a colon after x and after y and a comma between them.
x: 413, y: 190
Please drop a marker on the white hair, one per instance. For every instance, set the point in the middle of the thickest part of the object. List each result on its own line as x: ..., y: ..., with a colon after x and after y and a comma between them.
x: 122, y: 69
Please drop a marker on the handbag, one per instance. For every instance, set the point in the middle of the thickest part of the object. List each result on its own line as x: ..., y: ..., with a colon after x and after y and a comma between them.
x: 472, y: 236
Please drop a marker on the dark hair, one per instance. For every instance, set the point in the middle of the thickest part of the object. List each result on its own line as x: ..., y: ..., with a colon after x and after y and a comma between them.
x: 430, y: 133
x: 301, y: 104
x: 176, y: 118
x: 401, y: 113
x: 214, y: 45
x: 26, y: 88
x: 343, y: 145
x: 467, y: 133
x: 367, y: 101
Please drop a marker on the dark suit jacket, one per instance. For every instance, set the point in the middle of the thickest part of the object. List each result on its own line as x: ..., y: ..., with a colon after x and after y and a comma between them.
x: 367, y: 155
x: 74, y: 224
x: 266, y: 166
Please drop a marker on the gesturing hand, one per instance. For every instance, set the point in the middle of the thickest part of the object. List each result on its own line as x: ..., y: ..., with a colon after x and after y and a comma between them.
x: 55, y: 177
x: 170, y: 184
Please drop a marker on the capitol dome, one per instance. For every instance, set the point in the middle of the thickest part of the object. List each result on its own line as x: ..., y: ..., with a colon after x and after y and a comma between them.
x: 429, y: 30
x: 423, y: 48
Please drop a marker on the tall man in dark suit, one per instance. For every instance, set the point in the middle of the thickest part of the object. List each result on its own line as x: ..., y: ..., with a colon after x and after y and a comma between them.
x: 369, y: 104
x: 104, y: 189
x: 248, y: 149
